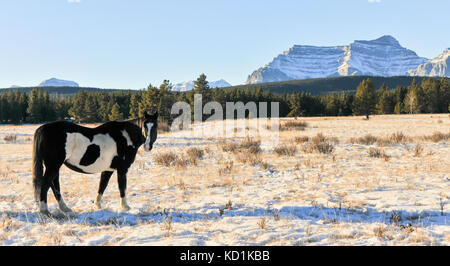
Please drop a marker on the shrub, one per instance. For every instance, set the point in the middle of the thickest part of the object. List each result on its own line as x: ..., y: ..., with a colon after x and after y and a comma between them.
x: 253, y: 146
x: 262, y: 223
x: 285, y: 150
x: 437, y: 137
x: 163, y: 126
x: 301, y: 139
x: 293, y: 125
x: 249, y: 158
x: 195, y: 153
x: 226, y: 168
x: 366, y: 140
x: 10, y: 138
x: 265, y: 165
x: 418, y: 150
x: 229, y: 205
x: 319, y: 143
x: 166, y: 158
x: 324, y: 147
x: 378, y: 153
x: 229, y: 147
x: 307, y: 148
x: 333, y: 140
x: 182, y: 162
x: 247, y: 151
x: 397, y: 138
x: 248, y: 145
x: 319, y: 138
x: 375, y: 152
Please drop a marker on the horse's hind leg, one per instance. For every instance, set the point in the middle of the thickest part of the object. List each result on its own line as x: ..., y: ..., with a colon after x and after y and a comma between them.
x: 46, y: 182
x: 57, y: 192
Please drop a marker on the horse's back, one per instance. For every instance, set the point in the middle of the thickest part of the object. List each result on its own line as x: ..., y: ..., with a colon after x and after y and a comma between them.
x: 58, y: 127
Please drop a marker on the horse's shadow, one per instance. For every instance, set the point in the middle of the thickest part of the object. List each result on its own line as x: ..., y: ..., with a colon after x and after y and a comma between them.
x: 313, y: 214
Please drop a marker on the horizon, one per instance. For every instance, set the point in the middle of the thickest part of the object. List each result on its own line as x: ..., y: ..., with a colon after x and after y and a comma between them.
x: 115, y: 44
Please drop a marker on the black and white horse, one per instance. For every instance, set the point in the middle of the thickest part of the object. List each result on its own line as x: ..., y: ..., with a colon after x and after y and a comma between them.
x: 104, y: 149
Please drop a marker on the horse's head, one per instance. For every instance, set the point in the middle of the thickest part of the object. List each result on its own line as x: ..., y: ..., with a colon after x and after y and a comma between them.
x: 150, y: 130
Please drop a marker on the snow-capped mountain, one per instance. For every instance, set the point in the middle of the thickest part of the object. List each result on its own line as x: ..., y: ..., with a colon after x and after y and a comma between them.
x: 53, y: 82
x: 189, y: 85
x: 436, y: 67
x: 183, y: 86
x: 380, y: 57
x: 219, y: 84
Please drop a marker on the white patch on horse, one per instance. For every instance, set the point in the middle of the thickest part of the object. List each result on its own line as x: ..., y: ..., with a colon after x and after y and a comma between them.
x: 127, y: 137
x: 123, y: 204
x: 147, y: 141
x: 77, y: 144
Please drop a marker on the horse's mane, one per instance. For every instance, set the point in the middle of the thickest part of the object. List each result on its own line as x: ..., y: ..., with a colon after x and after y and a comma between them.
x: 136, y: 121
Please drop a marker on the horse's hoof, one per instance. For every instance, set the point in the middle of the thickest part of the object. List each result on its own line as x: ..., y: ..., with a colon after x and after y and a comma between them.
x: 125, y: 208
x: 98, y: 205
x: 46, y: 213
x: 66, y: 209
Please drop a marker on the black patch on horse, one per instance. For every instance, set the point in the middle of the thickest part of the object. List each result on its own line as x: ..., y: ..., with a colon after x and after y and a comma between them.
x: 74, y: 168
x: 115, y: 162
x: 91, y: 155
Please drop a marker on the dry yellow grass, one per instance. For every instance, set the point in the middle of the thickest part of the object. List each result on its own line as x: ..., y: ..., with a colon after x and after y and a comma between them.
x: 249, y: 175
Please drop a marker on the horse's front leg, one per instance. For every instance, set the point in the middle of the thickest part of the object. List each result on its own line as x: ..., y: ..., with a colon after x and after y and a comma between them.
x: 103, y: 184
x: 122, y: 181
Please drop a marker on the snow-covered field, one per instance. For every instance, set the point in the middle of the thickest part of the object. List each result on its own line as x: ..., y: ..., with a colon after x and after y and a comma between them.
x: 342, y: 198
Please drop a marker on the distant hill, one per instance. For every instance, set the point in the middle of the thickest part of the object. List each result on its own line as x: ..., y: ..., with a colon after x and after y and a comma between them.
x: 189, y: 85
x: 66, y: 91
x: 320, y: 86
x: 54, y: 82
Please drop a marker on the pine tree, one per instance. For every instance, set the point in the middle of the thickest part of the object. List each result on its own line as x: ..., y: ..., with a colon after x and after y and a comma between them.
x: 385, y: 103
x: 62, y: 107
x: 365, y: 98
x: 90, y: 109
x: 23, y: 102
x: 346, y: 101
x: 150, y: 100
x: 166, y: 100
x: 34, y: 107
x: 14, y: 108
x: 332, y: 104
x: 134, y: 104
x: 4, y: 108
x: 201, y: 84
x: 411, y: 101
x: 78, y: 105
x: 115, y: 114
x: 444, y: 85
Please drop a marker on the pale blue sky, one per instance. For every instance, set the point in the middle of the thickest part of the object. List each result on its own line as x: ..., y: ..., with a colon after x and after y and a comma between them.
x: 131, y: 43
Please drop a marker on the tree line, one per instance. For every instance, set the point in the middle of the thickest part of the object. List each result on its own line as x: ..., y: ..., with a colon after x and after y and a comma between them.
x: 430, y: 96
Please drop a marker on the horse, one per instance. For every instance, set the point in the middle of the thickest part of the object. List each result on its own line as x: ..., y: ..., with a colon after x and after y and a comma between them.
x: 109, y: 147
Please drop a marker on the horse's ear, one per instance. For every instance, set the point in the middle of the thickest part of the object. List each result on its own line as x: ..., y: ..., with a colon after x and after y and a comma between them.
x: 154, y: 116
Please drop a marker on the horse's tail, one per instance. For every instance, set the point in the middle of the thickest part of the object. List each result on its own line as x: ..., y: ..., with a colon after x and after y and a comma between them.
x: 37, y: 167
